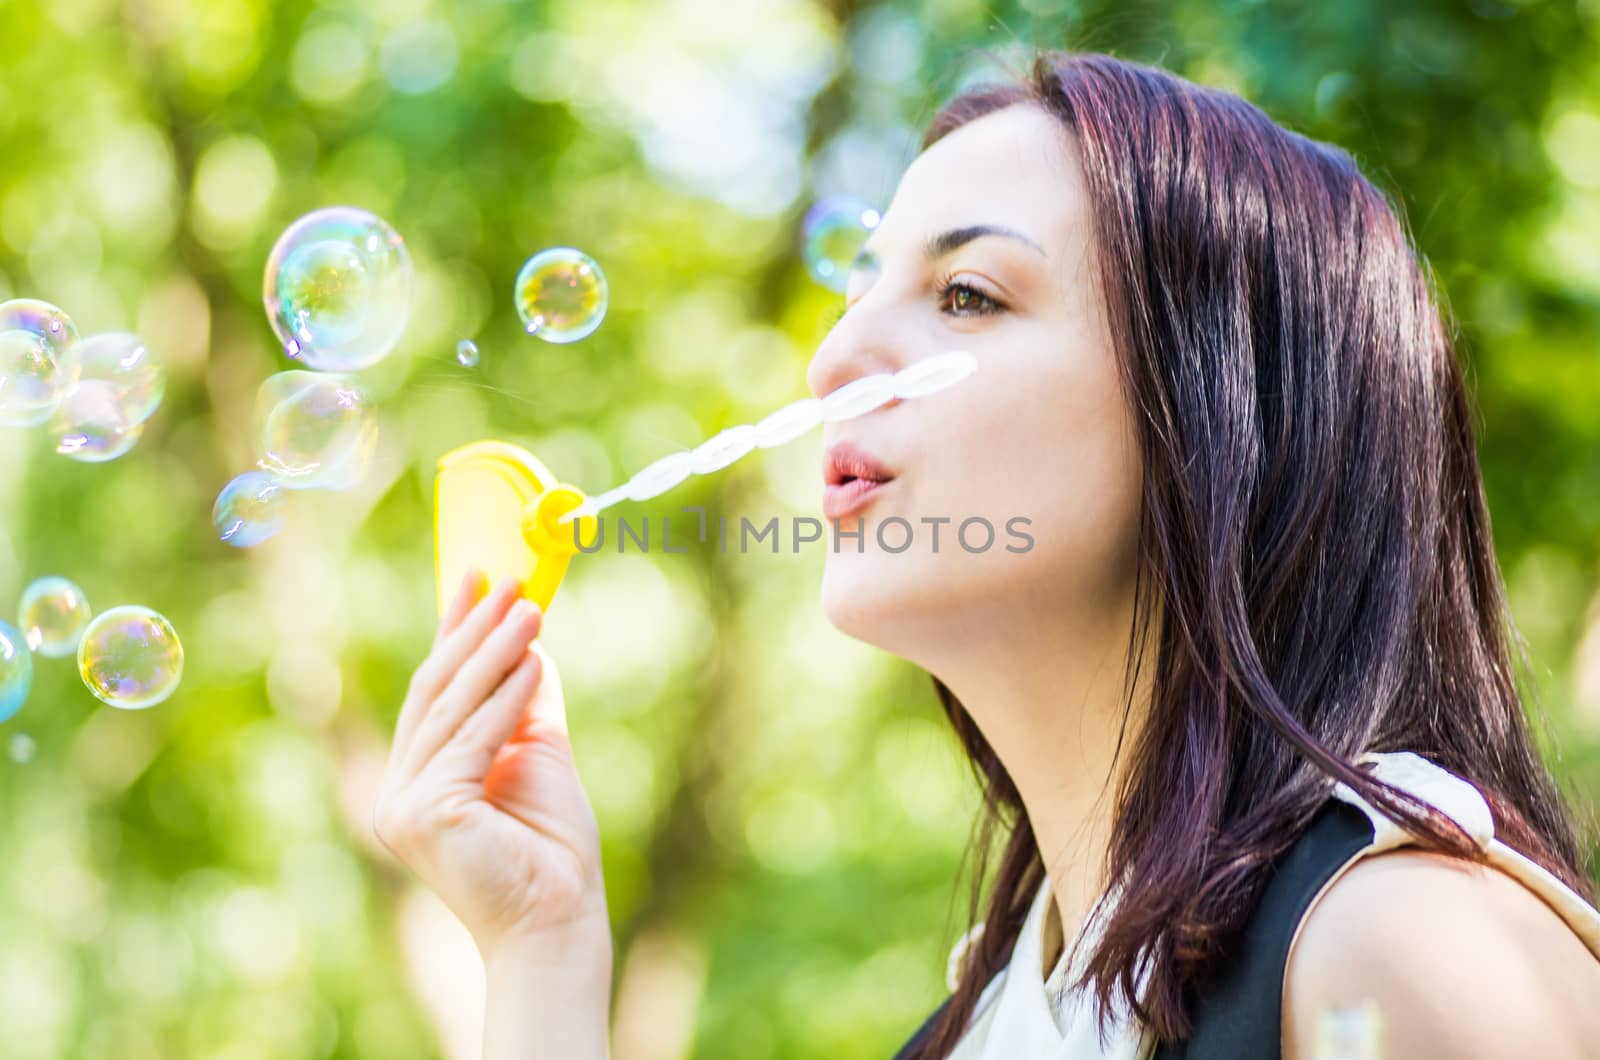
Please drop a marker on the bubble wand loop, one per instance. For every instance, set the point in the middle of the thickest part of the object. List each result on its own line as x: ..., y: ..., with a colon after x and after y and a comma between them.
x: 496, y: 507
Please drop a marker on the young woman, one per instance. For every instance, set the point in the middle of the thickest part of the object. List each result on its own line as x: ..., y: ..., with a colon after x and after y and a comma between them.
x: 1244, y: 708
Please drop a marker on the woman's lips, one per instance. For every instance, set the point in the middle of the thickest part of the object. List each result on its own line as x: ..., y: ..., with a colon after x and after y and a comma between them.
x: 845, y: 498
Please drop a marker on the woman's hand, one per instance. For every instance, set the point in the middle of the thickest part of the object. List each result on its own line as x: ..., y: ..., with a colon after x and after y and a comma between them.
x: 481, y: 796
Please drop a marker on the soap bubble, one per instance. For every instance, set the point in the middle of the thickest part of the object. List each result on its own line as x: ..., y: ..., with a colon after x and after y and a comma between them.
x: 467, y: 353
x: 561, y: 295
x: 89, y: 424
x: 122, y: 361
x: 113, y: 385
x: 130, y: 657
x: 1350, y: 1032
x: 249, y: 509
x: 16, y: 671
x: 316, y: 431
x: 21, y: 748
x: 834, y: 230
x: 52, y: 616
x: 338, y: 289
x: 34, y: 338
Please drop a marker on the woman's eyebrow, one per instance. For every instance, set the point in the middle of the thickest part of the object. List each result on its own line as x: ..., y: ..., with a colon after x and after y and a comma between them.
x: 947, y: 242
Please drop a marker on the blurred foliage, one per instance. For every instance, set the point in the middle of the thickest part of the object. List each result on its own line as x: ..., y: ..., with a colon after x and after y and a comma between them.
x: 783, y: 811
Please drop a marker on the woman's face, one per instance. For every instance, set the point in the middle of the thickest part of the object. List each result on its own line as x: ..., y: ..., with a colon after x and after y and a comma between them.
x: 986, y: 247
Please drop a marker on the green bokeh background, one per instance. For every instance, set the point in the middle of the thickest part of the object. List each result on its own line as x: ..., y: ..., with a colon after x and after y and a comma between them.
x: 782, y: 809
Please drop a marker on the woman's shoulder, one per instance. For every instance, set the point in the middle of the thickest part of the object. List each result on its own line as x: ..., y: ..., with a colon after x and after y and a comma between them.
x: 1458, y: 959
x: 1454, y: 958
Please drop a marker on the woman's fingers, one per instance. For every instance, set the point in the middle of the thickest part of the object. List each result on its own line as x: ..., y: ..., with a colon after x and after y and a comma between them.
x: 471, y: 589
x: 441, y: 665
x: 474, y: 682
x: 439, y: 669
x: 488, y: 728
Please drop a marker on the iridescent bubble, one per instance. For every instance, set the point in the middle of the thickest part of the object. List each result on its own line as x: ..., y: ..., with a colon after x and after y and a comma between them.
x: 34, y: 338
x: 249, y: 510
x: 53, y: 615
x: 561, y: 295
x: 467, y: 353
x: 89, y: 424
x: 21, y: 748
x: 338, y: 289
x: 122, y: 361
x: 834, y: 230
x: 16, y: 671
x: 130, y: 657
x: 315, y: 430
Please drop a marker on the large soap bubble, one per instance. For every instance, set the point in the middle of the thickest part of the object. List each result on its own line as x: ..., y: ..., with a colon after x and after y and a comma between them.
x: 315, y: 430
x: 125, y: 362
x: 130, y: 657
x: 16, y: 671
x: 89, y: 424
x: 34, y: 338
x: 114, y: 383
x: 834, y: 231
x: 338, y: 289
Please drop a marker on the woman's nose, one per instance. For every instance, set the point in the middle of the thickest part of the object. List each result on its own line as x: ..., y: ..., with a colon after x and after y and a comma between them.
x: 856, y: 346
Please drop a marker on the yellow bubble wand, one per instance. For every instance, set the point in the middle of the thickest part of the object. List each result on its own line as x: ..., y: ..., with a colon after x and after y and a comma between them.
x: 499, y: 509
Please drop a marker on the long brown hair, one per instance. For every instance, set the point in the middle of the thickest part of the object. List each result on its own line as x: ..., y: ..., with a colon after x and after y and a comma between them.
x: 1313, y: 529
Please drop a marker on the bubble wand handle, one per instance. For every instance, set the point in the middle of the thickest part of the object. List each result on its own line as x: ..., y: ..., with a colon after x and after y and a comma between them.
x: 855, y: 398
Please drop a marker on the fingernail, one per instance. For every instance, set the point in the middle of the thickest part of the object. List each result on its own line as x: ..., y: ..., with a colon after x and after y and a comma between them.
x: 522, y: 610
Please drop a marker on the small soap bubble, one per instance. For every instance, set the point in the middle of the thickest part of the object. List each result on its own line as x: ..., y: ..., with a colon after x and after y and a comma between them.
x: 561, y: 295
x: 1350, y: 1032
x: 130, y: 657
x: 338, y: 289
x: 16, y: 670
x: 89, y: 425
x: 20, y: 748
x: 467, y: 353
x: 249, y: 510
x: 833, y: 233
x: 34, y: 339
x: 52, y: 616
x: 315, y: 430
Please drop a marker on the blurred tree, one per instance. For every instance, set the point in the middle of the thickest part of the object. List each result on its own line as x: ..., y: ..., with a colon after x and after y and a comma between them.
x: 782, y: 834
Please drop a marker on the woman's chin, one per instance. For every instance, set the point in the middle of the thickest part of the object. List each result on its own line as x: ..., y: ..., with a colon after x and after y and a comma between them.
x: 866, y: 596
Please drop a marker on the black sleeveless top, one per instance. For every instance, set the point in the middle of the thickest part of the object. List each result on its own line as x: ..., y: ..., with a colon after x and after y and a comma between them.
x: 1239, y: 1016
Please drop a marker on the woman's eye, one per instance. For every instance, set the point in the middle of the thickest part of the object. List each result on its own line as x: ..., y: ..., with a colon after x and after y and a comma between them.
x: 962, y: 299
x: 966, y: 300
